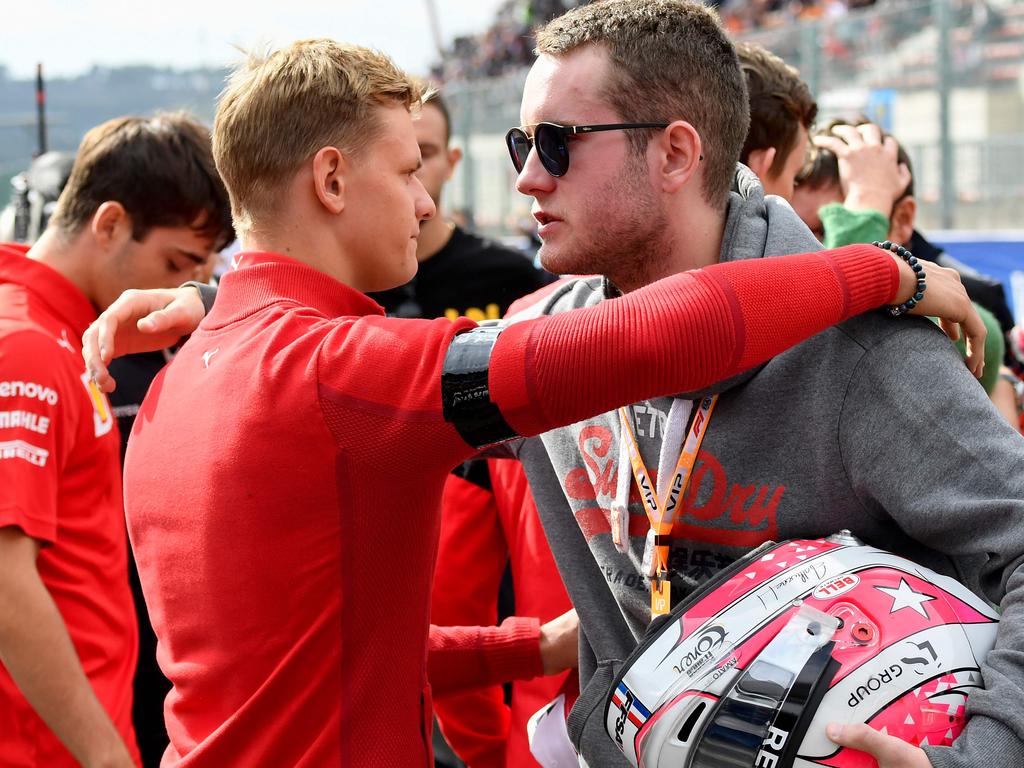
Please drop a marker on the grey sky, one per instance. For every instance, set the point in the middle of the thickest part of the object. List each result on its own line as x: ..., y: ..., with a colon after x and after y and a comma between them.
x: 70, y: 36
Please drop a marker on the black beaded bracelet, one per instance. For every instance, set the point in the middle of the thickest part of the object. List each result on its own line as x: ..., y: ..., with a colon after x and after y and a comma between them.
x: 915, y: 265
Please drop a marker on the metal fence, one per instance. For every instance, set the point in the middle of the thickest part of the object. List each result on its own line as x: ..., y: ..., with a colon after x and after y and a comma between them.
x: 945, y: 77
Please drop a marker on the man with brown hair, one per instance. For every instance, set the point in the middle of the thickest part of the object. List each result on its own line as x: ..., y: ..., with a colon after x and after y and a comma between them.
x: 283, y: 478
x: 782, y: 112
x: 823, y: 437
x: 875, y: 197
x: 143, y: 208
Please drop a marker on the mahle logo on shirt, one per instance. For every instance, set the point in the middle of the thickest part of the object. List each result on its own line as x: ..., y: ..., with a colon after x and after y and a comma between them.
x: 103, y: 420
x: 33, y: 422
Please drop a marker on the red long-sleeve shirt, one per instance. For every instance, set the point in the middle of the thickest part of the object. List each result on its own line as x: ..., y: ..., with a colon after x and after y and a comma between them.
x: 480, y: 530
x: 284, y: 473
x: 463, y: 658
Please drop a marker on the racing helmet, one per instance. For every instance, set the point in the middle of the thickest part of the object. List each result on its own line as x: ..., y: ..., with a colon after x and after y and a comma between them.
x: 751, y: 668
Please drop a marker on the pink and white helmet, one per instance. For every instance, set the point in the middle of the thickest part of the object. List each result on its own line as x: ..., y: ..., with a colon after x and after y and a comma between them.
x: 749, y: 670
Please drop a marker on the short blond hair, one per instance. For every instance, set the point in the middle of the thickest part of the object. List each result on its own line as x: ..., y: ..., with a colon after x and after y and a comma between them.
x: 280, y: 108
x: 669, y: 60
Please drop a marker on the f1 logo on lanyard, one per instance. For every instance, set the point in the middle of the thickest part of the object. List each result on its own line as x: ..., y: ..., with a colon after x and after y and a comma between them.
x: 660, y: 510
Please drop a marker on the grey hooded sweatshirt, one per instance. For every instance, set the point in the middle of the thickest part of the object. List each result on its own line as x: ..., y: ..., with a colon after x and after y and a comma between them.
x: 874, y: 425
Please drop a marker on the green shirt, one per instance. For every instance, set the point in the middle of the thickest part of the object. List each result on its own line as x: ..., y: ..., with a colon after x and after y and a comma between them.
x: 845, y: 227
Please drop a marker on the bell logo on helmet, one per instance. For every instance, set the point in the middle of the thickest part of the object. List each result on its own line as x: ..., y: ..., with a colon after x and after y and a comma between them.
x: 771, y: 748
x: 834, y: 587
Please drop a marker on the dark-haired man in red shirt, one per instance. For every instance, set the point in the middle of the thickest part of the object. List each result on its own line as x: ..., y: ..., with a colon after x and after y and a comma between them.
x: 142, y: 208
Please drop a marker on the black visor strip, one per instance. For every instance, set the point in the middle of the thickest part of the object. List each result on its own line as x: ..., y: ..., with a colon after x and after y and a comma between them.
x: 800, y: 706
x: 465, y: 390
x: 738, y: 729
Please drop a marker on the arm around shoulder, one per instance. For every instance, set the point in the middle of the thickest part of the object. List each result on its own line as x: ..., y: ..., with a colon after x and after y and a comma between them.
x: 719, y: 321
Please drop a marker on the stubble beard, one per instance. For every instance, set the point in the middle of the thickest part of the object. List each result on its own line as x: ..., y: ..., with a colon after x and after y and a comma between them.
x: 630, y: 244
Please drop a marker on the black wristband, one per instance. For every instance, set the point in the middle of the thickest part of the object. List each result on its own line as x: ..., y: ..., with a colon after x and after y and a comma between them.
x: 915, y: 265
x: 465, y: 388
x: 207, y: 292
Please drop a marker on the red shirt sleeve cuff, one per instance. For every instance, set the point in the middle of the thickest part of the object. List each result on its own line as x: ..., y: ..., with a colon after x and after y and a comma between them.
x: 40, y: 529
x: 461, y: 658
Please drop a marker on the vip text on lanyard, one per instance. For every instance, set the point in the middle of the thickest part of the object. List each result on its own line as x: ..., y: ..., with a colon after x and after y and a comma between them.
x: 659, y: 511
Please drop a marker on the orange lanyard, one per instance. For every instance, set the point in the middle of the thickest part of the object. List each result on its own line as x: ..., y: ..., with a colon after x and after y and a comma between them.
x: 660, y: 511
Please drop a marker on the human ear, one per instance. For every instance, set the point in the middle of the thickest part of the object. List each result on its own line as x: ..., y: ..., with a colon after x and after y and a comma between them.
x: 760, y: 162
x: 901, y: 222
x: 329, y: 169
x: 454, y: 158
x: 110, y: 224
x: 680, y: 151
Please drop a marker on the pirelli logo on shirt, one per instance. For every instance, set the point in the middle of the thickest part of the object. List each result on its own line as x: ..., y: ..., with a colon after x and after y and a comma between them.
x: 103, y: 419
x: 19, y: 449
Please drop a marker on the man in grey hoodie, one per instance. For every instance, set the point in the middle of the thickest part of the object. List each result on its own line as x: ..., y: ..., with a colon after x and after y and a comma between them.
x: 874, y: 425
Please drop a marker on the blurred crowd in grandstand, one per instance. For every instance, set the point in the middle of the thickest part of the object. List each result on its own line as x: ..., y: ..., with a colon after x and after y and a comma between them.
x: 507, y: 44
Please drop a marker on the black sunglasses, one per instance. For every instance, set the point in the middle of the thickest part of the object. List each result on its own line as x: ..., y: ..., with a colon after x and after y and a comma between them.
x: 552, y: 143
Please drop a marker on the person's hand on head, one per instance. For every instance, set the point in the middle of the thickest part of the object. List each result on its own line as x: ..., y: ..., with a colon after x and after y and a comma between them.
x: 871, y: 175
x: 946, y: 299
x: 139, y: 321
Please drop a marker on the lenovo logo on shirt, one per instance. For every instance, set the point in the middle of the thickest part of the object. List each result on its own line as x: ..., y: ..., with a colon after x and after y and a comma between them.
x: 19, y: 449
x: 28, y: 389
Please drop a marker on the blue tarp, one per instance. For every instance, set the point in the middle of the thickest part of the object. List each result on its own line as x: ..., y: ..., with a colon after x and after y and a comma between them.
x: 999, y: 258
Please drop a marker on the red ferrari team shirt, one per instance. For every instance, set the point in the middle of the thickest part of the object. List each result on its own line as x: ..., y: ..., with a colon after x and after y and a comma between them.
x: 282, y: 506
x: 60, y: 483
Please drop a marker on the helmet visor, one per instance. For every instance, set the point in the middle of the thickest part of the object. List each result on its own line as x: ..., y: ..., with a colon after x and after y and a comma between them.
x: 760, y: 717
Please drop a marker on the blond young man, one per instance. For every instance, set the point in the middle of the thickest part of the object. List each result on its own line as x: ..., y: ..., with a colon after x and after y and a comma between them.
x: 459, y: 273
x: 283, y: 478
